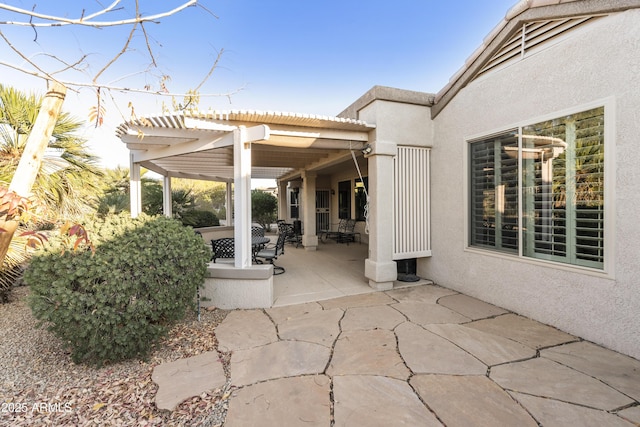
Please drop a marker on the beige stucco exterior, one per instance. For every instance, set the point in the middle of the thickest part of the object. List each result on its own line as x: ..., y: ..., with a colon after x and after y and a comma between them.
x: 598, y: 65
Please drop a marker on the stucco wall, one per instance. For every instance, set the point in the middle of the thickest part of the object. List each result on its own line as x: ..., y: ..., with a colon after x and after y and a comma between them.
x: 398, y: 123
x: 600, y: 63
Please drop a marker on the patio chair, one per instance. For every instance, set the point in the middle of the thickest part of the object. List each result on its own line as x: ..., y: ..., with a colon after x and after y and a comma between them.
x: 257, y: 231
x: 348, y: 234
x: 333, y: 234
x: 272, y: 252
x: 223, y: 249
x: 291, y: 236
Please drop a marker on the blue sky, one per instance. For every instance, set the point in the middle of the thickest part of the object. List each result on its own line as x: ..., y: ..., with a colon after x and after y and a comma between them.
x: 304, y: 56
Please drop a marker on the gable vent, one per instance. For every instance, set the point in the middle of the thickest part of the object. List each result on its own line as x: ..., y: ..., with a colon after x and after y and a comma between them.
x: 533, y: 37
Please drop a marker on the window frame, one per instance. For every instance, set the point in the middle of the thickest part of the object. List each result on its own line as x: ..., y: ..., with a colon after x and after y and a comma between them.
x: 609, y: 243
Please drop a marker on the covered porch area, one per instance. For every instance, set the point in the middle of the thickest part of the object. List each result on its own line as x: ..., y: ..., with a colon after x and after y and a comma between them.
x: 324, y: 168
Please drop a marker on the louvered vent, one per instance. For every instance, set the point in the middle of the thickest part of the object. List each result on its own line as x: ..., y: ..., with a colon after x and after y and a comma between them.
x: 412, y: 235
x: 532, y: 38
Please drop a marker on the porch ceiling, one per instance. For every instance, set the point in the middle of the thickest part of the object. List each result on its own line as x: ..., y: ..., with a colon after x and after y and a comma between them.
x: 200, y: 145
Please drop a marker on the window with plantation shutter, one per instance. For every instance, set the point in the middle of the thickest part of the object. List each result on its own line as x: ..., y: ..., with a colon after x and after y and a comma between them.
x: 494, y: 193
x: 559, y: 166
x: 563, y: 183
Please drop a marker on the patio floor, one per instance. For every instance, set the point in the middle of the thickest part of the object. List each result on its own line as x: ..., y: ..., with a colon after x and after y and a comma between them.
x: 331, y: 351
x: 334, y: 270
x: 418, y: 356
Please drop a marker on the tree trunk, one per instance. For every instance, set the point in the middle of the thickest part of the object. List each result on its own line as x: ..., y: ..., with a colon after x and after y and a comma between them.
x: 38, y: 139
x: 31, y: 159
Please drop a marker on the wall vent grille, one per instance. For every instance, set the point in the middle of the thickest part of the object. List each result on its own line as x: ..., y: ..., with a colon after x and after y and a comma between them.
x: 533, y: 37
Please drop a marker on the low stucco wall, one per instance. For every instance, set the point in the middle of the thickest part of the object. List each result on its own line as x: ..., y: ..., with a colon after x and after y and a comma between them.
x: 228, y: 287
x: 212, y: 233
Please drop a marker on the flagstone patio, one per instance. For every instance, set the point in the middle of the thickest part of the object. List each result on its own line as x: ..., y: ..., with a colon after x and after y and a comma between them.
x: 423, y: 356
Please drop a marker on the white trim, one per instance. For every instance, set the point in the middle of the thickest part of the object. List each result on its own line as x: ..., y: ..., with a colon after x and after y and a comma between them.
x: 608, y: 268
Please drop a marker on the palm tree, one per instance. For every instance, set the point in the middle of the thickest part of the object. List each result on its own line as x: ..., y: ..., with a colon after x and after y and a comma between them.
x: 67, y: 183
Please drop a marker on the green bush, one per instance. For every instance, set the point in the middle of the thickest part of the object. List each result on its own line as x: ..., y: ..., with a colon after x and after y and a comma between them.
x: 200, y: 218
x: 114, y: 304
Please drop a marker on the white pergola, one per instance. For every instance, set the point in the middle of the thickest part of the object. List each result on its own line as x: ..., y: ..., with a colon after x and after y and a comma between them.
x: 236, y: 146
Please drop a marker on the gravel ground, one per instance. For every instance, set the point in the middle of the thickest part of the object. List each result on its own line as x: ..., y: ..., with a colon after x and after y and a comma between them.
x: 40, y: 385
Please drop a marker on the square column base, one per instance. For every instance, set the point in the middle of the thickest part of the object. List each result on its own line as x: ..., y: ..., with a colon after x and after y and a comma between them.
x: 381, y: 286
x: 380, y: 271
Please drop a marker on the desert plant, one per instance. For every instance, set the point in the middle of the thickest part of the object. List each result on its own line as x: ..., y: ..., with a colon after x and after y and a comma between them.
x: 115, y: 303
x: 199, y: 218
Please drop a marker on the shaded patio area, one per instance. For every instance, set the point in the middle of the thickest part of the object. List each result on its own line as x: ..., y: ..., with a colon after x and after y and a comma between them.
x: 334, y: 270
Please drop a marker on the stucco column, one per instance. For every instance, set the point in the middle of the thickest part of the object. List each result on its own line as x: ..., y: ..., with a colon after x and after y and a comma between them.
x: 135, y: 188
x: 309, y: 239
x: 282, y: 200
x: 167, y: 198
x: 380, y: 268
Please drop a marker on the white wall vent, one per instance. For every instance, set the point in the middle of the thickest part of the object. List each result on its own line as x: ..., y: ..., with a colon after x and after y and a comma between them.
x: 533, y: 37
x: 412, y: 203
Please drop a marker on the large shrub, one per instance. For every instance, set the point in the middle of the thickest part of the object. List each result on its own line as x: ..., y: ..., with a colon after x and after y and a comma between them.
x: 114, y: 304
x: 199, y: 218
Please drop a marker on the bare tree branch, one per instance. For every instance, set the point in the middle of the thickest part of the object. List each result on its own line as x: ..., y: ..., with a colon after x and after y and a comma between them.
x: 87, y: 21
x: 215, y: 65
x: 67, y: 66
x: 69, y: 83
x: 33, y: 64
x: 118, y: 55
x: 146, y: 40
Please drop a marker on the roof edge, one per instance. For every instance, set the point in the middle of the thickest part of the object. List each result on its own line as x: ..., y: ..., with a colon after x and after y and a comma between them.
x: 522, y: 12
x: 386, y: 93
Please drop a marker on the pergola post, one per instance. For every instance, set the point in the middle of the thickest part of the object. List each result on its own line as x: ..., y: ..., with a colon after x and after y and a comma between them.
x: 229, y: 204
x: 167, y: 198
x: 135, y: 188
x: 242, y: 197
x: 310, y: 238
x: 282, y: 200
x: 242, y: 139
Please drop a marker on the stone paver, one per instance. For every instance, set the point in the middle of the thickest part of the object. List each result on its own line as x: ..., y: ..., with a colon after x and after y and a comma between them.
x: 411, y: 356
x: 618, y: 371
x: 467, y: 401
x: 278, y: 360
x: 631, y: 414
x: 362, y: 300
x: 298, y: 401
x: 365, y: 400
x: 426, y: 352
x: 489, y: 348
x: 424, y: 313
x: 366, y: 318
x: 553, y: 413
x: 367, y: 353
x: 245, y: 329
x: 525, y: 331
x: 426, y: 293
x: 320, y: 327
x: 546, y: 378
x: 280, y: 314
x: 188, y: 377
x: 470, y: 307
